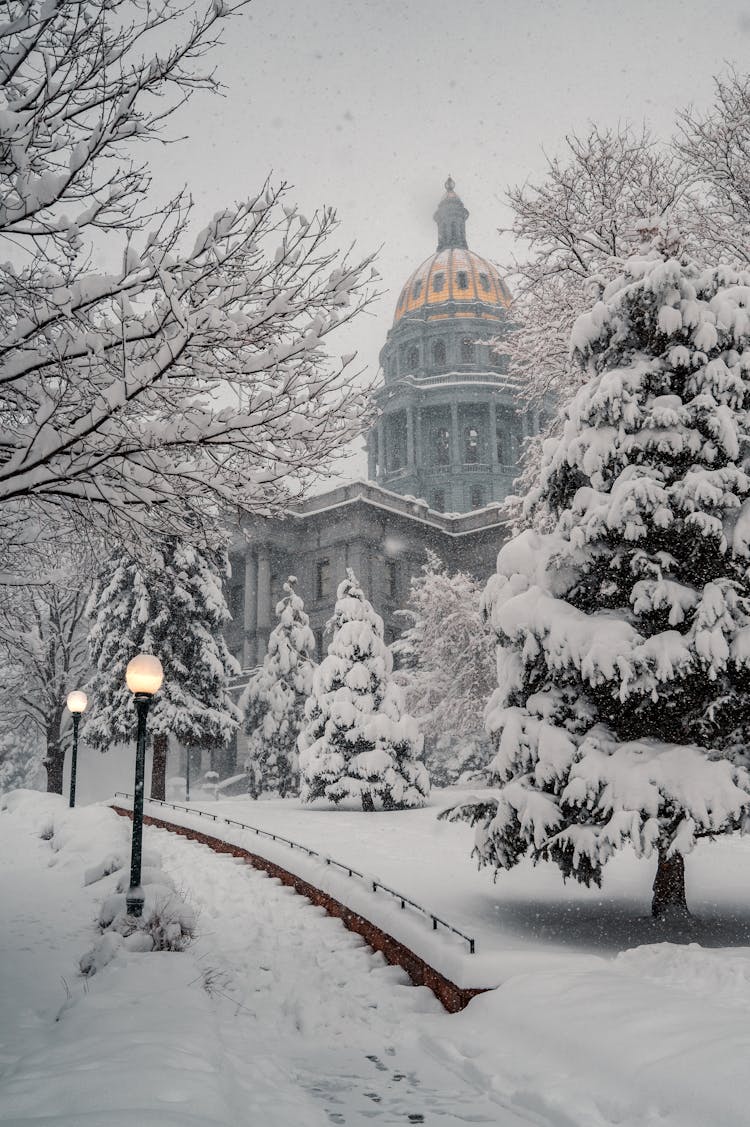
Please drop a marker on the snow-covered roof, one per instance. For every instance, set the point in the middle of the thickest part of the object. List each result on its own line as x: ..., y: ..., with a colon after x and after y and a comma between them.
x: 366, y: 492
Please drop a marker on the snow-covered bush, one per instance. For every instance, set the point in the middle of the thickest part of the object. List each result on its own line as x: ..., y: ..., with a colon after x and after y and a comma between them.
x: 357, y: 743
x: 274, y: 700
x: 167, y: 923
x: 621, y: 713
x: 447, y: 670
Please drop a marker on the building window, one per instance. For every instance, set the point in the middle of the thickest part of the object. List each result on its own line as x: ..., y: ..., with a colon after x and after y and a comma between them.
x: 323, y: 579
x: 412, y: 359
x: 503, y: 449
x: 462, y: 280
x: 467, y: 351
x: 438, y: 282
x: 391, y: 576
x: 477, y: 497
x: 417, y: 289
x: 438, y: 354
x: 471, y: 446
x: 442, y: 446
x: 484, y: 282
x: 438, y: 500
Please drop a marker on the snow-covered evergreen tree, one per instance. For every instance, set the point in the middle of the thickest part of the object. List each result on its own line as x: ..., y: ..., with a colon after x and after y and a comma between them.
x: 447, y: 669
x: 170, y: 604
x: 274, y: 701
x: 622, y: 709
x: 357, y: 743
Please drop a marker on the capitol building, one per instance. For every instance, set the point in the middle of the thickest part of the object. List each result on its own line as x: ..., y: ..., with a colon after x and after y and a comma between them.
x: 442, y: 456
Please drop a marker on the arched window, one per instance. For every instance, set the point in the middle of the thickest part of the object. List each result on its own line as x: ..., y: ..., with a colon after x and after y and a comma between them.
x: 462, y: 280
x: 438, y: 354
x: 467, y: 351
x: 477, y: 497
x: 438, y: 282
x: 484, y: 282
x: 442, y: 446
x: 417, y: 289
x: 438, y: 500
x: 471, y: 446
x: 412, y: 359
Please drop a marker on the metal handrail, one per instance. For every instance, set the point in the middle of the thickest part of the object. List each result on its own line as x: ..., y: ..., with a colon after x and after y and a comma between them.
x: 375, y: 884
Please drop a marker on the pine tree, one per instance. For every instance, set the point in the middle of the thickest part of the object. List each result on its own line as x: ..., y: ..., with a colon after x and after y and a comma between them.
x: 274, y: 701
x: 447, y: 669
x: 170, y: 604
x: 357, y: 743
x: 621, y: 713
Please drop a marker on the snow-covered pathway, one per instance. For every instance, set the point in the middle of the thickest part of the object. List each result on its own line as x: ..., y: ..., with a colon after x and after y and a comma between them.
x: 294, y: 987
x: 276, y: 1016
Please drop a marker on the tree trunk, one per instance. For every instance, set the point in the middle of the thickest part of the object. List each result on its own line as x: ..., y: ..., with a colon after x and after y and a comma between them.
x: 55, y: 757
x: 367, y: 804
x: 54, y: 767
x: 159, y: 766
x: 669, y: 888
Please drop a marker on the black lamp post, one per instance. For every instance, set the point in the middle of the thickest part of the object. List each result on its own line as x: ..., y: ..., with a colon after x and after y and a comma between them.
x: 187, y: 774
x: 144, y: 676
x: 76, y: 703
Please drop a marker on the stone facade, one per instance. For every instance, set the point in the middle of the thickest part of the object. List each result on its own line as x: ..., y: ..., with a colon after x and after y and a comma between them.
x: 382, y: 536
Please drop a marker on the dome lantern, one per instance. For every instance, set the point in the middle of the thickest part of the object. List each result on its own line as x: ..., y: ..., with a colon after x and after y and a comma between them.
x: 451, y: 216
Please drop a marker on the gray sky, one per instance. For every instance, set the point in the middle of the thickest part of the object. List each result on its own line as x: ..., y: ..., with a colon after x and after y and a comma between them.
x: 367, y: 106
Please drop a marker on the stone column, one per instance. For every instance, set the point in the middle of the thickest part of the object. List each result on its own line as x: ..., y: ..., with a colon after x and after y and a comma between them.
x: 410, y: 459
x: 418, y: 437
x: 454, y: 490
x: 250, y: 622
x: 371, y: 459
x: 493, y: 435
x: 455, y: 436
x: 381, y: 449
x: 264, y: 601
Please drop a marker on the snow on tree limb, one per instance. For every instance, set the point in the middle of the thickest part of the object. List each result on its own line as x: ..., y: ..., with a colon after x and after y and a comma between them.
x: 195, y: 377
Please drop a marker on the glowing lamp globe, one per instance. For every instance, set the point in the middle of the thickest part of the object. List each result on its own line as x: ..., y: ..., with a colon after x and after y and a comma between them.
x: 144, y: 674
x: 77, y: 701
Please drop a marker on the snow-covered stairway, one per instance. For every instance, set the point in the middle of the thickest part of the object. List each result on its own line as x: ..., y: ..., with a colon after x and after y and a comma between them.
x: 453, y: 997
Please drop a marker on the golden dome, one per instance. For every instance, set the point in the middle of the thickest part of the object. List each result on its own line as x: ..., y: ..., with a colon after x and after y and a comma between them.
x: 456, y: 275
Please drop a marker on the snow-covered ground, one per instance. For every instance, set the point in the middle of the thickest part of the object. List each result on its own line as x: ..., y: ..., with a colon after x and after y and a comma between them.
x: 522, y: 921
x: 276, y: 1015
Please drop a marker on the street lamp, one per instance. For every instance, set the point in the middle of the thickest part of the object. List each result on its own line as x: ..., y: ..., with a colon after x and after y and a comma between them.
x: 143, y: 676
x: 76, y: 703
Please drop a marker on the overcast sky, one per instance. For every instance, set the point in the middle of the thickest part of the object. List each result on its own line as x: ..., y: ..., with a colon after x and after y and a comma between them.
x: 367, y: 105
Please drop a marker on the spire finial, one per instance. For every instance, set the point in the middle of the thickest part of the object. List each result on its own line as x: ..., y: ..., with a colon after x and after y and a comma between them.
x: 451, y: 216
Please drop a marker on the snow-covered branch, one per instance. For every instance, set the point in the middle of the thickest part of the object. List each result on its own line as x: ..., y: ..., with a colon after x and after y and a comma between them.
x: 197, y: 376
